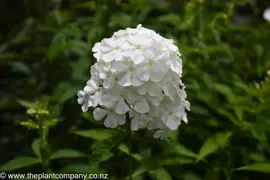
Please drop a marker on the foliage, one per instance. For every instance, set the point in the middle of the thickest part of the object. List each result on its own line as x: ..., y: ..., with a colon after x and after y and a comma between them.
x: 45, y: 57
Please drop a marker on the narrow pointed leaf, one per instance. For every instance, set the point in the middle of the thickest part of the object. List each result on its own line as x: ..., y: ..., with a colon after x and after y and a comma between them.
x: 67, y: 153
x: 258, y: 167
x: 19, y: 162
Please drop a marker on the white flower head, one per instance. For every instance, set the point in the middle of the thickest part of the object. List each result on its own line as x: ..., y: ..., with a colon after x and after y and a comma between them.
x: 137, y: 78
x: 266, y: 14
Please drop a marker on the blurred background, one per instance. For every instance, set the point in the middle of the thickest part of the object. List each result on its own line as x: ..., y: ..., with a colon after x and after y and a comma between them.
x: 45, y: 55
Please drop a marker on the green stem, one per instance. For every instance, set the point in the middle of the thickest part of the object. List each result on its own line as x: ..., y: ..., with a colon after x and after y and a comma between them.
x: 44, y: 147
x: 130, y: 151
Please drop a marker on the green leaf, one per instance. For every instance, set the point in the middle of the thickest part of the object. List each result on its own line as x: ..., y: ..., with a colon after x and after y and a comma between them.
x: 75, y: 168
x: 258, y: 167
x: 19, y: 162
x: 36, y: 147
x: 180, y: 149
x: 137, y: 157
x: 213, y: 143
x: 20, y: 67
x: 91, y: 5
x: 96, y: 134
x: 52, y: 122
x: 172, y: 19
x: 122, y: 147
x: 67, y: 153
x: 79, y: 47
x: 120, y: 19
x: 30, y: 124
x: 257, y: 157
x: 64, y: 91
x: 160, y: 174
x: 176, y: 160
x: 226, y: 91
x: 139, y: 171
x: 26, y: 104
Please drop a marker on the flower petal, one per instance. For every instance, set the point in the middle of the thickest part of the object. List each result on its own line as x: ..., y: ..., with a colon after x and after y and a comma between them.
x: 121, y: 119
x: 162, y: 134
x: 140, y: 40
x: 110, y: 56
x: 154, y: 90
x: 136, y: 82
x: 80, y: 93
x: 172, y: 47
x: 144, y: 76
x: 185, y: 118
x: 172, y: 123
x: 121, y: 107
x: 80, y: 100
x: 126, y: 80
x: 108, y: 82
x: 99, y: 113
x: 118, y: 67
x: 142, y: 106
x: 137, y: 57
x: 135, y: 123
x: 158, y: 72
x: 110, y: 121
x: 86, y: 104
x: 96, y: 47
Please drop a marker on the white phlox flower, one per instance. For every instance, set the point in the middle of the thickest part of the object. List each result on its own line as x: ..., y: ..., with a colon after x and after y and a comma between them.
x: 137, y: 78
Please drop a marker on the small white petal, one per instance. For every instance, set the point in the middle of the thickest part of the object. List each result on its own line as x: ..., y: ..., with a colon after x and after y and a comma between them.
x: 162, y: 134
x: 108, y: 82
x: 136, y: 82
x: 86, y: 105
x: 185, y: 118
x: 135, y: 123
x: 176, y: 66
x: 172, y: 123
x: 140, y: 40
x: 132, y: 113
x: 121, y: 119
x: 80, y: 93
x: 142, y: 106
x: 109, y: 42
x: 96, y: 98
x: 155, y: 100
x: 107, y: 103
x: 110, y: 56
x: 144, y: 76
x: 142, y: 90
x: 137, y: 57
x: 80, y: 100
x: 126, y: 80
x: 99, y: 113
x: 121, y: 107
x: 118, y: 67
x: 187, y: 105
x: 172, y: 47
x: 96, y: 47
x: 182, y: 93
x: 110, y: 121
x: 158, y: 72
x: 91, y: 87
x: 154, y: 90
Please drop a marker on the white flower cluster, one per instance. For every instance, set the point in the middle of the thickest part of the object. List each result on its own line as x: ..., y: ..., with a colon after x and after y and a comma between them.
x: 137, y: 77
